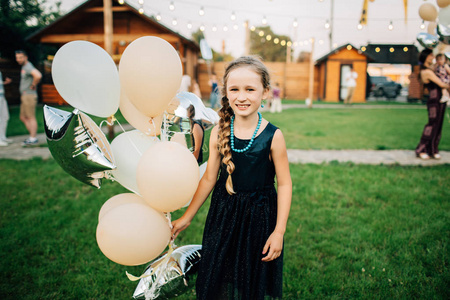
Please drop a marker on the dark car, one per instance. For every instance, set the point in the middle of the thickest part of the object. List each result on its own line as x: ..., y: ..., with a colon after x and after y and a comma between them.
x: 383, y: 86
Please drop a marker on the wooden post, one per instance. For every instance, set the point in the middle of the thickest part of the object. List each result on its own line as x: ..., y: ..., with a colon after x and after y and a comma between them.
x: 108, y: 44
x: 288, y: 54
x: 247, y: 39
x: 311, y: 75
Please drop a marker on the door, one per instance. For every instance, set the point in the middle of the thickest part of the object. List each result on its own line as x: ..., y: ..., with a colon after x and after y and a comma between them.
x: 345, y: 70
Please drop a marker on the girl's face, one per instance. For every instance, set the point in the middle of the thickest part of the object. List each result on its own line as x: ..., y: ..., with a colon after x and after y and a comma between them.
x: 440, y: 60
x: 245, y: 91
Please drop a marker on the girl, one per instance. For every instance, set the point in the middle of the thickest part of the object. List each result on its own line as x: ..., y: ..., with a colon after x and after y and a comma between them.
x: 429, y: 142
x: 197, y: 134
x: 243, y: 237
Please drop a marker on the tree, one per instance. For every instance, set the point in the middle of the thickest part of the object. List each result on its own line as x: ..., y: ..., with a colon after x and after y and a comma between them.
x: 18, y: 19
x: 267, y: 44
x: 198, y: 35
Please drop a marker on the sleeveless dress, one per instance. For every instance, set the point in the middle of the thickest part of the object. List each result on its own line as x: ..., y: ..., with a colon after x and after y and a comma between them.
x: 200, y: 155
x: 238, y: 226
x: 431, y: 135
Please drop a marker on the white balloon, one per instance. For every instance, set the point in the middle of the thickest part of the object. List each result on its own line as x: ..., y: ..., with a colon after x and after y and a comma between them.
x: 120, y: 199
x: 127, y: 149
x: 87, y: 78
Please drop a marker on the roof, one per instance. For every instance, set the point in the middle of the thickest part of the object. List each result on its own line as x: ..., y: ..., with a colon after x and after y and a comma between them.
x: 325, y: 57
x: 96, y: 3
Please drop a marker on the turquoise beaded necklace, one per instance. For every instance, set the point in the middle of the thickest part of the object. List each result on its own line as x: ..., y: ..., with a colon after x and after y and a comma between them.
x: 252, y: 139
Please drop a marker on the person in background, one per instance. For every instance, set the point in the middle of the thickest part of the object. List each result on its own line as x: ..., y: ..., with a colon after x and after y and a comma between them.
x: 196, y: 89
x: 197, y: 134
x: 275, y: 105
x: 4, y: 112
x: 214, y: 96
x: 443, y: 72
x: 350, y: 79
x: 29, y: 79
x: 431, y: 135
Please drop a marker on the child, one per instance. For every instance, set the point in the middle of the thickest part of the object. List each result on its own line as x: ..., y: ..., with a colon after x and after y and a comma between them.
x: 243, y: 237
x: 442, y: 71
x: 276, y: 101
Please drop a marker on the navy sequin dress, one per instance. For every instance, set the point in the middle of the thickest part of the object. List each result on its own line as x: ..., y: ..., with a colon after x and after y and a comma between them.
x: 238, y: 226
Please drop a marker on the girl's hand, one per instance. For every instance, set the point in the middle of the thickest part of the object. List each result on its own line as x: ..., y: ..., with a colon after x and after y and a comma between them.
x: 179, y: 225
x: 274, y: 244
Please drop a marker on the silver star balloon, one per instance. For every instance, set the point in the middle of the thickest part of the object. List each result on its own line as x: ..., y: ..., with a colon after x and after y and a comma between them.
x: 78, y: 145
x: 182, y: 264
x: 427, y: 40
x: 443, y: 33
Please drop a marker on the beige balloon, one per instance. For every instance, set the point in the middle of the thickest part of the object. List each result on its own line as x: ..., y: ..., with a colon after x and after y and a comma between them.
x: 150, y: 73
x: 431, y: 29
x: 167, y: 176
x: 133, y: 234
x: 127, y: 149
x: 149, y: 126
x: 428, y: 12
x: 443, y: 3
x: 117, y: 200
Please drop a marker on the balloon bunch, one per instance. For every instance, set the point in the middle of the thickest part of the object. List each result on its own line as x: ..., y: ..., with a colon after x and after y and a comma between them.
x: 153, y: 161
x: 437, y: 31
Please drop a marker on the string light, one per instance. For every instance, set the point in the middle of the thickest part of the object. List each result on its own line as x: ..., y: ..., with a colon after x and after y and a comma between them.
x: 377, y: 49
x: 391, y: 49
x: 235, y: 26
x: 363, y: 48
x: 121, y: 2
x: 158, y: 17
x: 349, y: 47
x: 202, y: 27
x: 261, y: 33
x: 201, y: 12
x: 391, y: 26
x: 295, y: 23
x: 283, y: 43
x: 141, y: 2
x: 422, y: 26
x: 264, y: 20
x: 327, y: 25
x: 233, y: 16
x: 225, y: 28
x: 171, y: 6
x: 276, y: 40
x: 214, y: 28
x: 289, y: 43
x: 189, y: 25
x: 141, y: 10
x: 268, y: 37
x: 405, y: 49
x: 320, y: 42
x: 359, y: 26
x: 253, y: 28
x: 174, y: 22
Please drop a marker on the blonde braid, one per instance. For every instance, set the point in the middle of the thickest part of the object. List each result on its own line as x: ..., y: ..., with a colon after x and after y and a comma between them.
x: 225, y: 114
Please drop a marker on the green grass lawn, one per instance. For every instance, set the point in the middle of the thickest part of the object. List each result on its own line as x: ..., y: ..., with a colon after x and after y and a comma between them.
x: 326, y: 128
x: 354, y: 232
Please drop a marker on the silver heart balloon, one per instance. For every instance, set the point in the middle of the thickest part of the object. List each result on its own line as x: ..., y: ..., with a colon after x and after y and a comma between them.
x: 78, y: 145
x: 182, y: 264
x: 443, y: 33
x: 427, y: 40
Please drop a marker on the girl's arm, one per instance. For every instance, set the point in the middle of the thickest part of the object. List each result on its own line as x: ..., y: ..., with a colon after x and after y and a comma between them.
x: 428, y: 75
x: 204, y: 187
x: 447, y: 68
x: 197, y: 135
x: 274, y: 243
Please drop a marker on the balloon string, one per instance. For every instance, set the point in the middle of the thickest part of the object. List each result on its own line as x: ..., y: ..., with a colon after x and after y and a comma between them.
x: 156, y: 267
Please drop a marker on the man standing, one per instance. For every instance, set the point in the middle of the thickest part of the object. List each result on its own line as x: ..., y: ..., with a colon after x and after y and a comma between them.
x: 29, y: 78
x: 351, y: 85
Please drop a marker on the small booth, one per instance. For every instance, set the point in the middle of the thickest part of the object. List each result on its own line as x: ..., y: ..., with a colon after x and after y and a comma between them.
x: 85, y: 22
x: 332, y: 69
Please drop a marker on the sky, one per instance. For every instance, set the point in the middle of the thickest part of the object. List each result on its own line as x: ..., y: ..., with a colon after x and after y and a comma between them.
x: 311, y: 17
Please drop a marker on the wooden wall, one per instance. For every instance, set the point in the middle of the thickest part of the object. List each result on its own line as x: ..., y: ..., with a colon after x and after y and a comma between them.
x: 293, y: 78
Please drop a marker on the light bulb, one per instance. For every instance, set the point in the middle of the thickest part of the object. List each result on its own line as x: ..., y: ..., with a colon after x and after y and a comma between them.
x: 171, y: 5
x: 201, y: 12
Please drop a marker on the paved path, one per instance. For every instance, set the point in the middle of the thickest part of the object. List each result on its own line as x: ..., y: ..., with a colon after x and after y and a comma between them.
x: 371, y: 157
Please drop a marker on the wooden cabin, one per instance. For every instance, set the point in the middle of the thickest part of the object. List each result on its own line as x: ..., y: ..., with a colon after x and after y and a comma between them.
x: 85, y: 22
x: 332, y: 69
